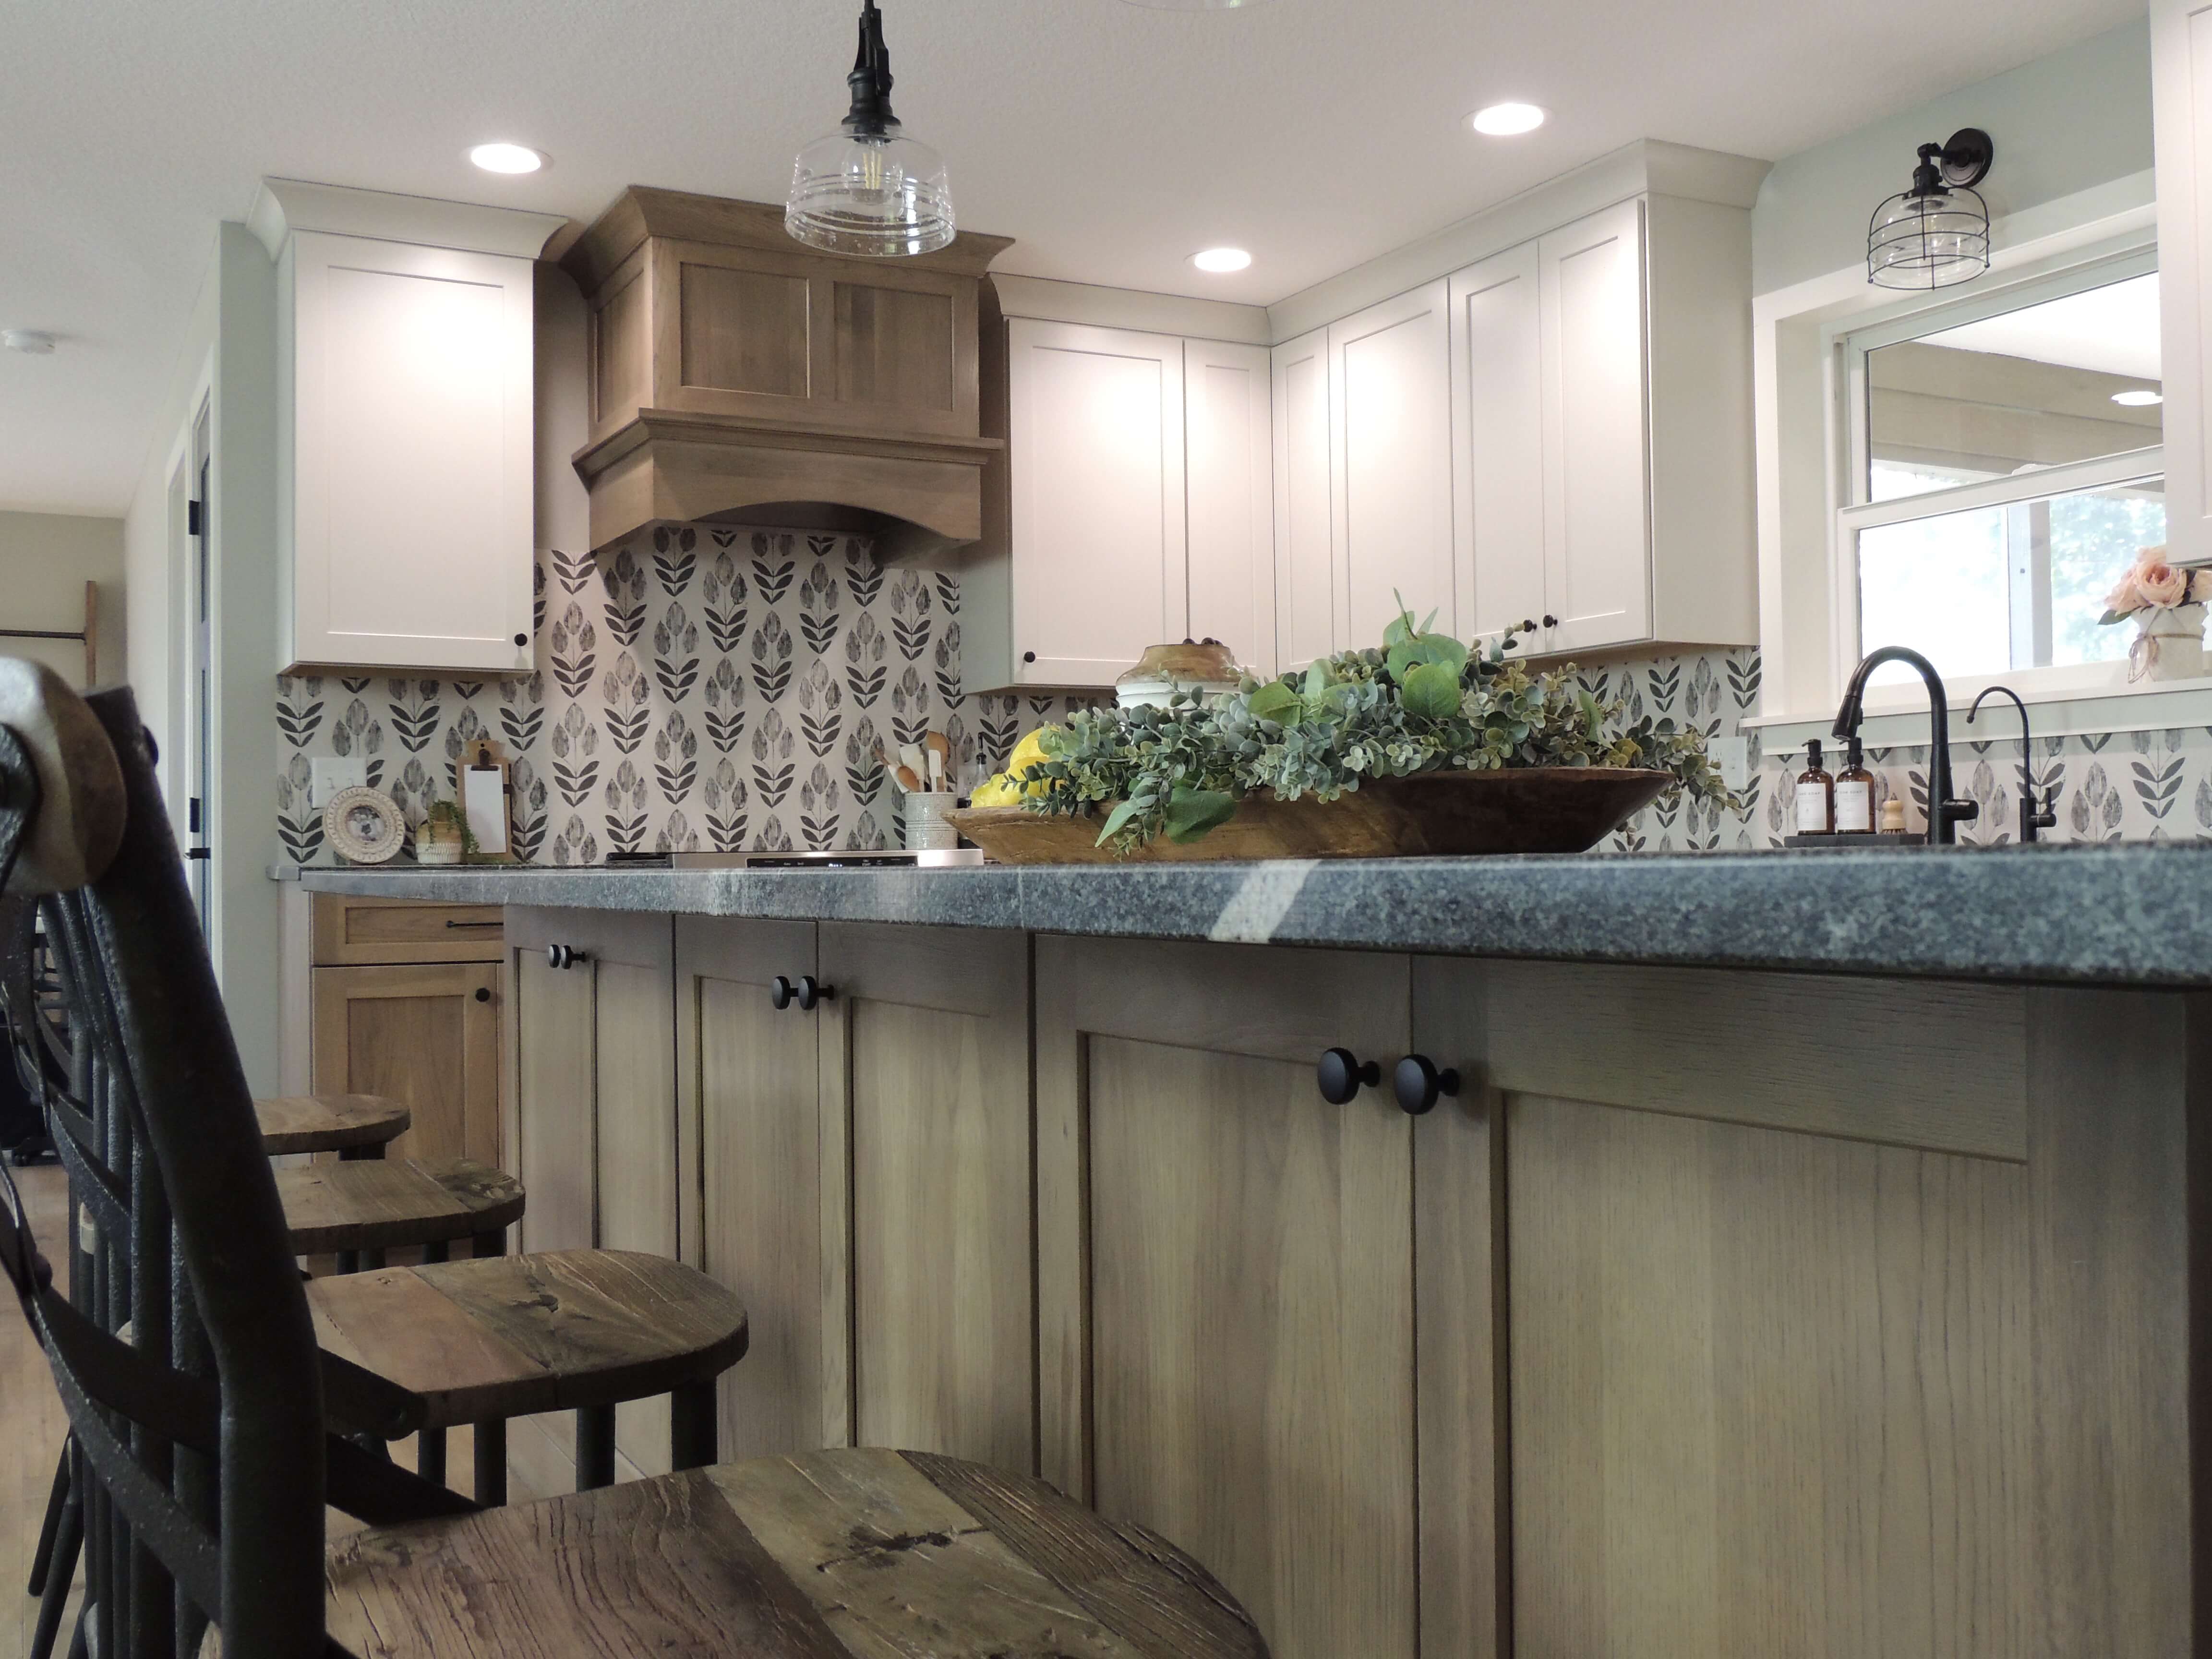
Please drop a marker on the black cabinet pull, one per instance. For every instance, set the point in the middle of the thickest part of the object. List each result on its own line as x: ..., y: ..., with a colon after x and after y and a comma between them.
x: 1342, y: 1075
x: 482, y: 994
x: 806, y: 992
x: 1419, y: 1084
x: 1028, y: 656
x: 450, y: 924
x: 1528, y: 627
x: 1551, y: 622
x: 522, y: 639
x: 563, y: 956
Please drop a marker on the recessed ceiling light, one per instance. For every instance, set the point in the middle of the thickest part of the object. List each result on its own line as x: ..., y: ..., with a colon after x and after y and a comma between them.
x: 2139, y: 397
x: 1220, y: 261
x: 507, y: 158
x: 31, y: 342
x: 1507, y: 120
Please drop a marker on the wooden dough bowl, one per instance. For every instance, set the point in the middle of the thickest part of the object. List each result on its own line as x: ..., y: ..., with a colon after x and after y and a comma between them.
x: 1537, y: 809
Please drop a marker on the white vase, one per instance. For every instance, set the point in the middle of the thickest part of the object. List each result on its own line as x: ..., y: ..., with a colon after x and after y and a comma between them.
x: 2169, y: 644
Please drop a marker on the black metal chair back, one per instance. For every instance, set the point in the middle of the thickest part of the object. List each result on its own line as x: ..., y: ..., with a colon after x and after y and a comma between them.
x: 202, y: 1434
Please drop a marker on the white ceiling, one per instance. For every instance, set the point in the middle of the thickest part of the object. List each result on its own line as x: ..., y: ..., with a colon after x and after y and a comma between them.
x: 2112, y: 330
x: 1112, y: 141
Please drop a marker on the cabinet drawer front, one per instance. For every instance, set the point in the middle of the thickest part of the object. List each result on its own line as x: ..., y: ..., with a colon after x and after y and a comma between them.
x: 352, y: 932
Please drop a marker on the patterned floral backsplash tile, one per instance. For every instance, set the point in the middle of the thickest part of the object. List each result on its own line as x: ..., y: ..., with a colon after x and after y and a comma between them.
x: 710, y: 688
x: 701, y: 688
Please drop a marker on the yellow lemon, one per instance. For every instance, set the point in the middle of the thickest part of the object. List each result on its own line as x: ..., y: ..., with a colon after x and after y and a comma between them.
x: 1006, y: 789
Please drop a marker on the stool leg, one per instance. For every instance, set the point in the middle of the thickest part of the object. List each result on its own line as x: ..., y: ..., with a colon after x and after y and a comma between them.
x: 691, y: 1426
x: 61, y: 1574
x: 372, y: 1260
x: 491, y: 1463
x: 430, y: 1454
x: 435, y: 1252
x: 595, y: 1447
x: 492, y: 1243
x: 349, y: 1261
x: 56, y: 1501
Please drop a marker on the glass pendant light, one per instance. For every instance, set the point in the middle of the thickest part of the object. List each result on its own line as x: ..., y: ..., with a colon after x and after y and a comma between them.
x: 868, y: 189
x: 1937, y: 233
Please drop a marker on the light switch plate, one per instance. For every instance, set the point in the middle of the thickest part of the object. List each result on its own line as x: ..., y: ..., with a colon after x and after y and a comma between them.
x: 328, y: 776
x: 1731, y: 754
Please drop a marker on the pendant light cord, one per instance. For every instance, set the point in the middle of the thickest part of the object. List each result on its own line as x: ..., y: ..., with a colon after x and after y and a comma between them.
x: 871, y: 80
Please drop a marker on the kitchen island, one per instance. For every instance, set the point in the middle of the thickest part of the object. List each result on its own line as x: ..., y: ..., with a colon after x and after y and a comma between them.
x: 1729, y: 1255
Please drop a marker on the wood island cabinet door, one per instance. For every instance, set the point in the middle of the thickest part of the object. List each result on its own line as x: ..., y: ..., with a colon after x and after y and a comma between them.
x: 1226, y: 1273
x: 925, y: 1077
x: 749, y: 1078
x: 426, y: 1035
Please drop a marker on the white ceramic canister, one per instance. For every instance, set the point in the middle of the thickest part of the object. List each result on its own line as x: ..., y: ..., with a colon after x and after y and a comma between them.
x: 926, y: 828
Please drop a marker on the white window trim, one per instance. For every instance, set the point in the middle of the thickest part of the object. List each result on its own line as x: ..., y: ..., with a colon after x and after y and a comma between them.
x: 1808, y: 637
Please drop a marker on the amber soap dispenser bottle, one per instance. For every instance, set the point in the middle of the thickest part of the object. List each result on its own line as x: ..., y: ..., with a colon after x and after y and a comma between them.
x: 1816, y: 795
x: 1855, y: 793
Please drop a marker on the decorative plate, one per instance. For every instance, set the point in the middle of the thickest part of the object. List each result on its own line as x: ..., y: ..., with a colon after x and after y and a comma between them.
x: 364, y: 826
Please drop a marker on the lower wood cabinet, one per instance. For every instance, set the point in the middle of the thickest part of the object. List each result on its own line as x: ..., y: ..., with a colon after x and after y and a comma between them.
x: 419, y: 1023
x: 1226, y: 1274
x: 864, y: 1182
x: 595, y: 1141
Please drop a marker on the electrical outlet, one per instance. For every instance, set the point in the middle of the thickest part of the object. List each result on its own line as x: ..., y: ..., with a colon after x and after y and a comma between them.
x: 1732, y: 756
x: 327, y: 776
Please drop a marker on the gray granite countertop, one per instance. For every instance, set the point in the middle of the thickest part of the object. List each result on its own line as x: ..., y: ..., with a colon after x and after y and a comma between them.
x: 2119, y: 914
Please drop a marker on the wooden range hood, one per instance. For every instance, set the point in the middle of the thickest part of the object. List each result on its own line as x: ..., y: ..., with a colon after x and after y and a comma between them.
x: 739, y: 378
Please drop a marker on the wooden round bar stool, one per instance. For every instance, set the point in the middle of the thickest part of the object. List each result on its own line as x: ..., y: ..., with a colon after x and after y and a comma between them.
x: 478, y: 1342
x: 352, y: 1126
x: 829, y: 1555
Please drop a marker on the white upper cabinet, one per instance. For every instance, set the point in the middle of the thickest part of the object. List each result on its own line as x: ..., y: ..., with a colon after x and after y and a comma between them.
x: 1134, y: 504
x: 1390, y: 473
x: 1498, y: 379
x: 1228, y: 486
x: 1305, y: 587
x: 2181, y: 102
x: 1099, y: 542
x: 405, y: 454
x: 1596, y: 556
x: 1601, y: 431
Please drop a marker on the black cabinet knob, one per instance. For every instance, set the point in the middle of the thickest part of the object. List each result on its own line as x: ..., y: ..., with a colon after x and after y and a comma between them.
x: 1551, y: 622
x: 522, y: 639
x: 1529, y: 626
x: 1342, y: 1076
x: 780, y: 992
x: 1028, y: 656
x: 482, y: 994
x: 563, y: 956
x: 810, y: 992
x: 1419, y: 1084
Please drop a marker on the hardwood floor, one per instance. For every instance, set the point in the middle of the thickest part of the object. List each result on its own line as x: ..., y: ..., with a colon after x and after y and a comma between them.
x: 32, y: 1424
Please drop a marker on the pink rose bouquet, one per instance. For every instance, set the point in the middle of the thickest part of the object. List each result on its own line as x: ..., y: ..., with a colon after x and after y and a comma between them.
x: 2152, y: 584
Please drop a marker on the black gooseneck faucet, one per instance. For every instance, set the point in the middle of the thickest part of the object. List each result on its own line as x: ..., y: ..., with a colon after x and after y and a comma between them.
x: 2032, y: 816
x: 1945, y: 814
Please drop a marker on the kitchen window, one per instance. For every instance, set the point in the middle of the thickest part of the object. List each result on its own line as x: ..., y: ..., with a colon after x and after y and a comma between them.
x: 2003, y: 468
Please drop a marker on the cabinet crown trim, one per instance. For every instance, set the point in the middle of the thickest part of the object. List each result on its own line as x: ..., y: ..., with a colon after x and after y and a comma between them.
x: 285, y: 205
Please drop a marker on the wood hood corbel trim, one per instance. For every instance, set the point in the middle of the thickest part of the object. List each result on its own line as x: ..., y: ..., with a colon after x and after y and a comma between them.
x: 739, y: 377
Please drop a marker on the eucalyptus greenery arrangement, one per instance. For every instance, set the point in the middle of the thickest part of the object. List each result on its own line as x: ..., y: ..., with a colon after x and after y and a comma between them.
x: 1423, y: 703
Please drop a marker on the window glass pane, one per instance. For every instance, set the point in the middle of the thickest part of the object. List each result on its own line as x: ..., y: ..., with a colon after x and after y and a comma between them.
x: 2068, y: 380
x: 1998, y: 588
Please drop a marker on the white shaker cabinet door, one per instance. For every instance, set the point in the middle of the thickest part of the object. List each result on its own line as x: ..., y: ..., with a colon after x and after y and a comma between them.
x: 1390, y: 391
x: 1305, y: 580
x: 1098, y: 514
x: 1231, y: 499
x: 1497, y: 407
x: 1597, y: 527
x: 410, y: 454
